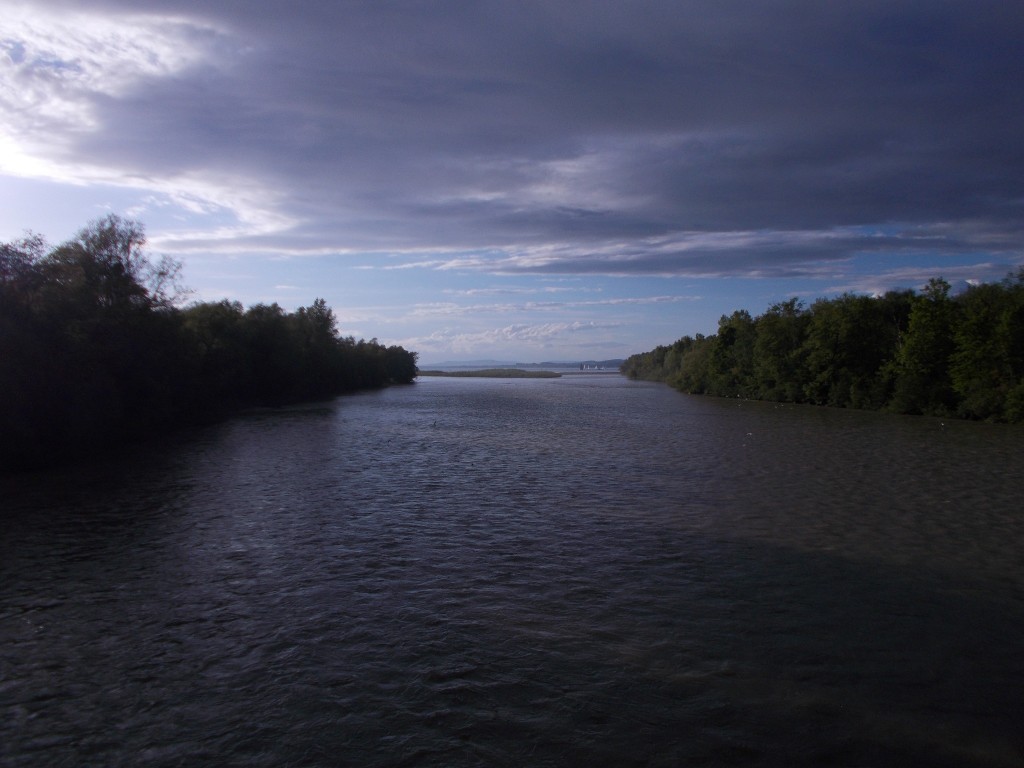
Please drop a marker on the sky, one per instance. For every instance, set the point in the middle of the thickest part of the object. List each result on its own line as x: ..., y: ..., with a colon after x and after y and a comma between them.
x: 529, y: 180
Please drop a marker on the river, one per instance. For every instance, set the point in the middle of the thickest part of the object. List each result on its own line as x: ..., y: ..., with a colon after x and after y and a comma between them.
x: 549, y: 572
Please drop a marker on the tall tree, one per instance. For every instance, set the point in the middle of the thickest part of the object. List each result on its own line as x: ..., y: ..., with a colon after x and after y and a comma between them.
x: 988, y: 363
x: 849, y: 342
x: 731, y: 370
x: 779, y: 366
x: 923, y: 383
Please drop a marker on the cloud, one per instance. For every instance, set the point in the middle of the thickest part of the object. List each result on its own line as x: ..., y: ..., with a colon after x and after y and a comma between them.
x: 520, y: 337
x: 506, y: 291
x: 61, y: 66
x: 659, y: 138
x: 917, y: 277
x: 68, y: 78
x: 440, y: 309
x: 753, y: 254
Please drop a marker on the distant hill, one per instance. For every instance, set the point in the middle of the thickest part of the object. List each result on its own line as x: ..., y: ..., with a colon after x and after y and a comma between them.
x: 470, y: 364
x: 605, y: 364
x: 494, y: 373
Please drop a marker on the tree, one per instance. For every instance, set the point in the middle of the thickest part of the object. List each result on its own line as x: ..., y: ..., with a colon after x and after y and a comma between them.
x: 105, y: 268
x: 89, y: 352
x: 731, y: 370
x: 220, y: 362
x: 850, y: 341
x: 272, y: 356
x: 778, y: 362
x: 927, y: 353
x: 694, y: 371
x: 400, y: 365
x: 987, y: 365
x: 94, y: 349
x: 923, y: 382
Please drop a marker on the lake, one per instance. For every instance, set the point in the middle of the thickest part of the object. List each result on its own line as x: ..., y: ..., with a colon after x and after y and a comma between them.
x: 538, y: 572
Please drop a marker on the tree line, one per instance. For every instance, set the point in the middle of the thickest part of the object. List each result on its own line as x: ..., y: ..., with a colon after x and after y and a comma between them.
x: 95, y: 348
x: 927, y: 352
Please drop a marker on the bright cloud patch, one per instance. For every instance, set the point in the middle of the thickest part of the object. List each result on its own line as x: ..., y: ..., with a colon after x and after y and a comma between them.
x: 58, y: 69
x: 59, y: 75
x: 56, y: 66
x: 520, y: 336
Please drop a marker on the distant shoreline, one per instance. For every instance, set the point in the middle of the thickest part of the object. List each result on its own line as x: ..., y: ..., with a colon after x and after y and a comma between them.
x: 495, y: 373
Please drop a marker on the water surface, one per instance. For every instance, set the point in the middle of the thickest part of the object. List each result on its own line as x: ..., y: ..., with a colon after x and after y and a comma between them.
x: 582, y: 570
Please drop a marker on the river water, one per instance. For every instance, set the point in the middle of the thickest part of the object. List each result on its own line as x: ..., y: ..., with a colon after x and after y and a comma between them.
x: 552, y: 572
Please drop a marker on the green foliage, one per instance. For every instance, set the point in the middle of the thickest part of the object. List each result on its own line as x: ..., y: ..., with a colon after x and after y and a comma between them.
x: 693, y: 371
x: 849, y: 341
x: 94, y: 349
x: 930, y: 353
x: 987, y: 365
x: 731, y: 371
x: 923, y: 384
x: 649, y: 366
x: 779, y: 352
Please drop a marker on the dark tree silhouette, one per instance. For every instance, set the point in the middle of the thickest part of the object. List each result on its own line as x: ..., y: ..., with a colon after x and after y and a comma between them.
x: 931, y: 353
x: 95, y: 349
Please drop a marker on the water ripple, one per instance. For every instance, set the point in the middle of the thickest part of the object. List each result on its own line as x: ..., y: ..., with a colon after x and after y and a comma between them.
x: 573, y: 571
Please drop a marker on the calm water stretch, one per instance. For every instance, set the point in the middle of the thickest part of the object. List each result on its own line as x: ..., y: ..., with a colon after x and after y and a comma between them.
x: 575, y: 571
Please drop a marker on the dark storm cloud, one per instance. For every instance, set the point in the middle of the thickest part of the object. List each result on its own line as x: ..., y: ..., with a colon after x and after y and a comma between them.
x: 600, y: 131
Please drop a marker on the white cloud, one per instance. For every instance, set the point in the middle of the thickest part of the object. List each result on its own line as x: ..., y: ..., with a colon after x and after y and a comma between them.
x: 56, y: 65
x: 918, y: 276
x: 519, y: 291
x: 58, y: 69
x: 440, y: 309
x: 518, y: 337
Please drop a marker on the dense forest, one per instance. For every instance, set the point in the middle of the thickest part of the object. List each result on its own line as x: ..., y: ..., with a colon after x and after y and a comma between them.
x: 96, y: 349
x: 922, y: 353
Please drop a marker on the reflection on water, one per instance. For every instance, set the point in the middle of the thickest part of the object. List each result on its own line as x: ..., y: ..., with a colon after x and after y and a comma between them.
x: 582, y: 570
